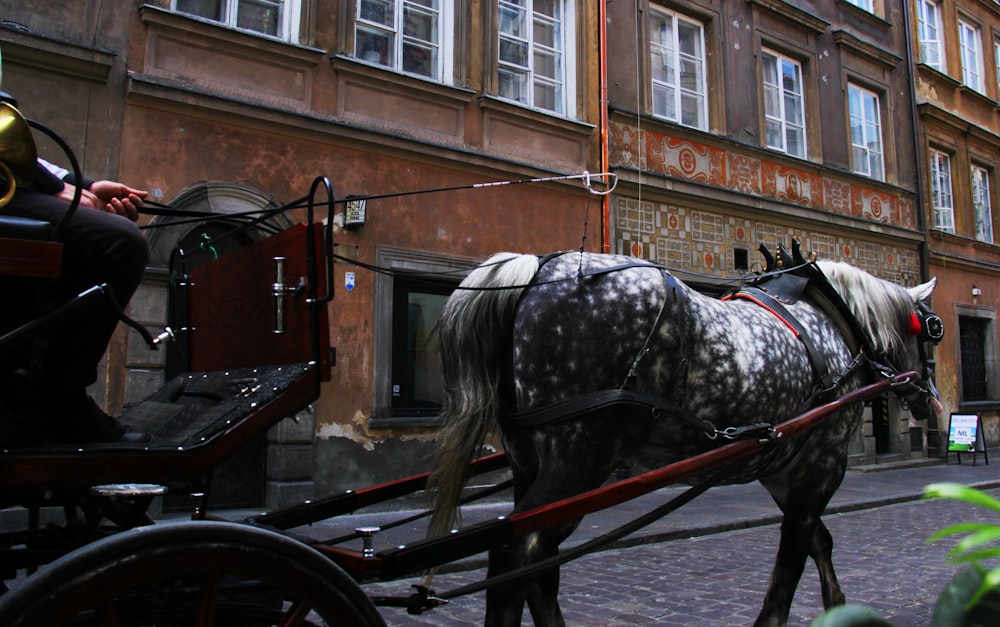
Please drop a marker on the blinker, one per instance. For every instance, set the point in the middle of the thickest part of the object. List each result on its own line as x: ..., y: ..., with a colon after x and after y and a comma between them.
x: 915, y: 326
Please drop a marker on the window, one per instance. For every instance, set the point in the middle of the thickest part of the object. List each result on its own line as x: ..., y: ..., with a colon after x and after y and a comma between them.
x: 929, y: 25
x: 970, y: 43
x: 944, y: 209
x: 677, y: 62
x: 416, y: 370
x: 972, y: 348
x: 981, y: 204
x: 532, y: 61
x: 996, y: 61
x: 866, y: 132
x: 867, y: 5
x: 408, y: 302
x: 277, y: 18
x: 403, y: 35
x: 784, y: 104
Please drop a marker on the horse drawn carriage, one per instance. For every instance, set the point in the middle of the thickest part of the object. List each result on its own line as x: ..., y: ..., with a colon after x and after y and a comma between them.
x: 651, y: 367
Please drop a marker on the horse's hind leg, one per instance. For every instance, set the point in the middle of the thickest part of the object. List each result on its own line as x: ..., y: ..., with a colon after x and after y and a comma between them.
x: 505, y: 603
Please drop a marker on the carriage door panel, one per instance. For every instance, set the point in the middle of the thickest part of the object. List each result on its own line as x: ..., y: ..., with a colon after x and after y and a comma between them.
x: 248, y: 308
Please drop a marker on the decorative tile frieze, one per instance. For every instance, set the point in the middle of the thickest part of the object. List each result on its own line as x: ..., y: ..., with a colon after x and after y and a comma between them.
x: 634, y: 216
x: 704, y: 242
x: 666, y: 155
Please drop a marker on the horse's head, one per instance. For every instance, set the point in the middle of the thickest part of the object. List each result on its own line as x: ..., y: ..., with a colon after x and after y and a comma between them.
x: 899, y: 323
x: 921, y: 326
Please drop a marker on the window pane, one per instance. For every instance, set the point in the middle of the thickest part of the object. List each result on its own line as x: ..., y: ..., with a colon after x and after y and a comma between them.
x: 689, y: 39
x: 376, y: 46
x: 663, y: 102
x: 515, y: 52
x: 662, y: 67
x: 982, y: 204
x: 860, y: 159
x: 691, y: 111
x: 259, y: 15
x: 512, y: 20
x: 211, y: 9
x: 416, y: 370
x: 548, y: 8
x: 420, y: 24
x: 378, y: 11
x: 772, y: 102
x: 546, y: 64
x: 796, y: 141
x: 547, y: 97
x: 774, y: 135
x: 546, y: 33
x: 513, y: 85
x: 419, y: 59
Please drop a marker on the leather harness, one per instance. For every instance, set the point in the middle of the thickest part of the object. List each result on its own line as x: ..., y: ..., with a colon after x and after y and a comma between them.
x: 785, y: 280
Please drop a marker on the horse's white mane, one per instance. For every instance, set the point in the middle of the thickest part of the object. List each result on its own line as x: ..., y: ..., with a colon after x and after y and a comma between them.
x: 881, y: 307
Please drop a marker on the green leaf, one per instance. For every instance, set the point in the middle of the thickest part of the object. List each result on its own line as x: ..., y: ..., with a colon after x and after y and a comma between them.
x: 972, y: 541
x: 990, y: 583
x: 850, y: 616
x: 959, y: 492
x: 950, y: 609
x: 967, y: 527
x: 974, y: 557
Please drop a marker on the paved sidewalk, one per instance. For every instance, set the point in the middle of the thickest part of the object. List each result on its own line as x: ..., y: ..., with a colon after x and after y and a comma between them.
x: 722, y: 508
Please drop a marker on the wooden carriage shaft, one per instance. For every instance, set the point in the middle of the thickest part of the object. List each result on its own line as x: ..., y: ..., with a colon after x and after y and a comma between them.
x: 477, y: 538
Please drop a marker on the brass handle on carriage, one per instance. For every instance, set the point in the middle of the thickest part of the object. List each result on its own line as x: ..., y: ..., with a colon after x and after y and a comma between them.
x: 18, y: 155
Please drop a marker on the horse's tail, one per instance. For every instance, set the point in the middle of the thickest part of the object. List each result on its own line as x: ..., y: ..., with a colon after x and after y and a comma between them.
x: 474, y: 334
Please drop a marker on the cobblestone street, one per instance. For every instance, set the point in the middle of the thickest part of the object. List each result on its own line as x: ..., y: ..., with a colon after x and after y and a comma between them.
x: 881, y: 555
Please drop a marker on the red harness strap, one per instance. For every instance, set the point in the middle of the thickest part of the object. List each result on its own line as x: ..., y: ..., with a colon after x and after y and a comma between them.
x: 765, y: 307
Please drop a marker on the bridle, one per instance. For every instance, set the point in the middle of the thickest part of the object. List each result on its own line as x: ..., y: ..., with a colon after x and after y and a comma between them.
x: 926, y: 326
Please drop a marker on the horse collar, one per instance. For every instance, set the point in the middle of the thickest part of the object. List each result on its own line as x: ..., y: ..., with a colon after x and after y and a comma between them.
x: 772, y: 305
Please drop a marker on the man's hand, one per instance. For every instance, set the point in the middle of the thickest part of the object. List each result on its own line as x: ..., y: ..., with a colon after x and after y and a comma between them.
x: 118, y: 198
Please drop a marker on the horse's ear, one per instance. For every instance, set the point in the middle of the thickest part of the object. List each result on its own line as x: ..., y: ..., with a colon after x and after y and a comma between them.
x: 923, y: 291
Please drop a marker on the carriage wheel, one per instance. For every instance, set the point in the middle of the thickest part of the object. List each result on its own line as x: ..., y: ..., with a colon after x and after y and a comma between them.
x: 191, y: 573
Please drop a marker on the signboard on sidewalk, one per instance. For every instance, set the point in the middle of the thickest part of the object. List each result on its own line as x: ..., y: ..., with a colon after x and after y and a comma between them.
x: 965, y: 435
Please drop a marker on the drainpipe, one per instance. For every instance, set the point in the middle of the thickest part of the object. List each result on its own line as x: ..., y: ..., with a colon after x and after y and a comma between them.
x: 602, y: 53
x: 923, y: 252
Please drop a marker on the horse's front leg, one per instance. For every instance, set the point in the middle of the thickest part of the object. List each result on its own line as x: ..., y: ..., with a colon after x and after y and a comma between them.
x: 797, y: 533
x: 822, y: 554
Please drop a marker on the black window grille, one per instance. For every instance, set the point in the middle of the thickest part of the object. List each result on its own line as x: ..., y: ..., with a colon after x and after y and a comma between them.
x: 972, y: 342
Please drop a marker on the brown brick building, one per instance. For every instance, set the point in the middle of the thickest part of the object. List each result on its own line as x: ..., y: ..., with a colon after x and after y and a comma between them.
x: 730, y: 123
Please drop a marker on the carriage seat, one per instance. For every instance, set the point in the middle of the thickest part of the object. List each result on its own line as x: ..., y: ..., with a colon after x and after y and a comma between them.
x: 27, y: 249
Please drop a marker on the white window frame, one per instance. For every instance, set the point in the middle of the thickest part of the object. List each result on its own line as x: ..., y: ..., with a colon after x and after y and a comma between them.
x: 867, y: 151
x: 399, y: 42
x: 866, y: 5
x: 782, y: 102
x: 521, y: 81
x: 670, y: 90
x: 941, y: 192
x: 288, y: 27
x: 996, y: 61
x: 981, y: 204
x: 970, y: 40
x: 929, y: 33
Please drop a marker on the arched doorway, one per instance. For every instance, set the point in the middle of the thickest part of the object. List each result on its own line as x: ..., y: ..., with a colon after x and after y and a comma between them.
x: 213, y: 219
